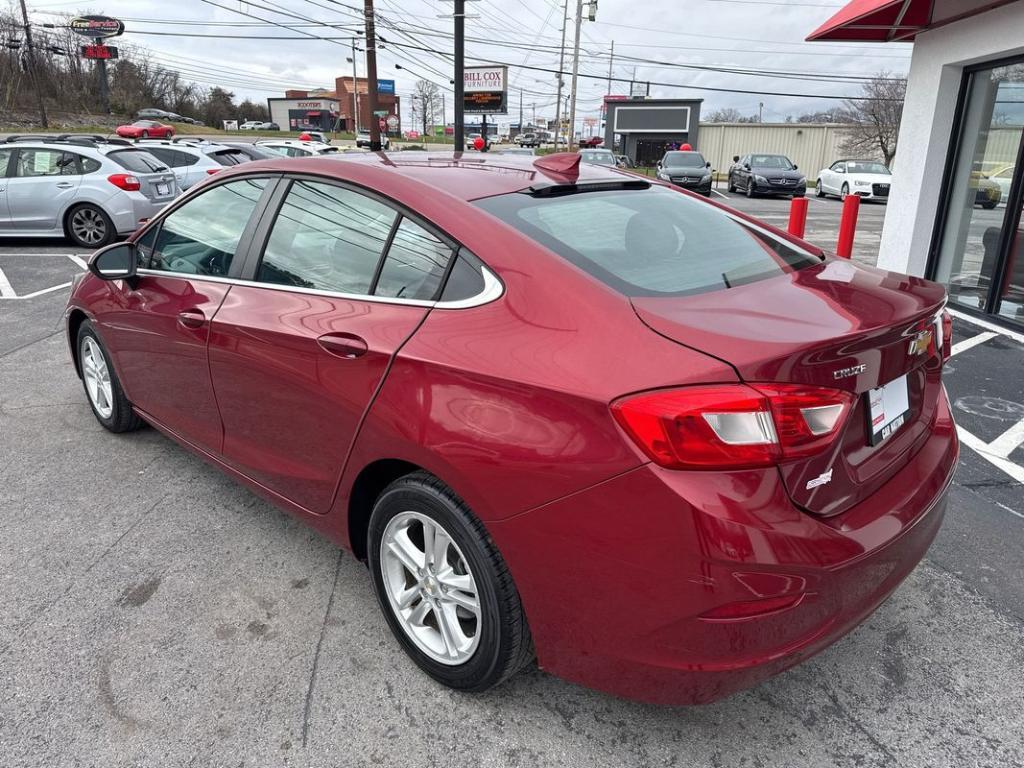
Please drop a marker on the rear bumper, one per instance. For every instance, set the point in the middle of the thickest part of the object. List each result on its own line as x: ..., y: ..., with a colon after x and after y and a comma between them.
x: 615, y: 579
x: 128, y: 210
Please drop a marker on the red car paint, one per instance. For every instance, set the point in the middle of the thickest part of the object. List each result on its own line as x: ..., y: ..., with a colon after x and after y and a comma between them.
x: 145, y: 129
x: 672, y: 586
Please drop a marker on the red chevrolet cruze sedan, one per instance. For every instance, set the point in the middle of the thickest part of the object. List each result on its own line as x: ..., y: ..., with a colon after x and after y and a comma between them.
x: 562, y: 412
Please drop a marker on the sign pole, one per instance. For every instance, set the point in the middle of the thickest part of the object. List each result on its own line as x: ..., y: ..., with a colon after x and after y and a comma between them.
x: 561, y: 66
x: 371, y: 76
x: 104, y: 83
x: 32, y: 67
x: 460, y: 74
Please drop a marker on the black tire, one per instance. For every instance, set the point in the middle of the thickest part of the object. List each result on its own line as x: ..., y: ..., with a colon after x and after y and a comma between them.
x: 504, y: 646
x: 76, y: 221
x: 750, y: 187
x: 989, y: 206
x: 820, y: 191
x: 845, y: 192
x: 121, y: 418
x: 732, y: 186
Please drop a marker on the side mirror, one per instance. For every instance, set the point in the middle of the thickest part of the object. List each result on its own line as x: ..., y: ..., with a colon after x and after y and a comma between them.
x: 115, y: 262
x: 746, y: 167
x: 736, y: 158
x: 659, y: 165
x: 796, y: 167
x: 707, y: 165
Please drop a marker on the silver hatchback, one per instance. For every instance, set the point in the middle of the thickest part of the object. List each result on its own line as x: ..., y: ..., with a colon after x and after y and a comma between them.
x: 192, y: 160
x: 86, y: 188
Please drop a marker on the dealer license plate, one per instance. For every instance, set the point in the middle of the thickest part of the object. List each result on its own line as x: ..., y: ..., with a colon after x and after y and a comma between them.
x: 887, y: 409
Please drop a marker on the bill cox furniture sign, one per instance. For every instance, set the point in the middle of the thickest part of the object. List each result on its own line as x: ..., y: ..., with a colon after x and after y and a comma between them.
x: 486, y: 90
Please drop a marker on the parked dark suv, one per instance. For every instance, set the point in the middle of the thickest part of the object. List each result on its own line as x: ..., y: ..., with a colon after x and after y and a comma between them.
x: 766, y: 174
x: 686, y: 169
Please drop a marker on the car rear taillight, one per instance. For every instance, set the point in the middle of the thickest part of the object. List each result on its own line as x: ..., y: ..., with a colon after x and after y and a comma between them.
x: 211, y: 171
x: 125, y: 181
x: 733, y: 426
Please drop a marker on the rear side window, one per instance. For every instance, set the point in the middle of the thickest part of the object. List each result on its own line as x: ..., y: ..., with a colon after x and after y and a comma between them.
x: 88, y: 165
x: 200, y: 237
x: 326, y: 238
x: 652, y: 242
x: 137, y: 161
x: 173, y: 157
x: 415, y: 264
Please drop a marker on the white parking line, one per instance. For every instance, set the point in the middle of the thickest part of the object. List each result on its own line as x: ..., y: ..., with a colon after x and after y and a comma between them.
x: 1008, y: 442
x: 721, y: 195
x: 78, y: 260
x: 963, y: 346
x: 1018, y: 337
x: 38, y: 293
x: 6, y: 289
x: 982, y: 449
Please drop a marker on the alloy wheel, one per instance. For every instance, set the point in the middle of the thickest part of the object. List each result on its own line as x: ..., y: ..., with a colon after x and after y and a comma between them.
x: 97, y: 377
x: 89, y: 226
x: 430, y: 588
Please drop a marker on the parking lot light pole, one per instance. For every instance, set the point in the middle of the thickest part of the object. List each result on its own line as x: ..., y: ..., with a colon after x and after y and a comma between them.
x: 460, y: 74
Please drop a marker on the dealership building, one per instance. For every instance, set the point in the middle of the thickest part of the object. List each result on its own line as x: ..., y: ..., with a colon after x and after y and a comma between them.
x: 958, y: 187
x: 324, y: 110
x: 647, y: 128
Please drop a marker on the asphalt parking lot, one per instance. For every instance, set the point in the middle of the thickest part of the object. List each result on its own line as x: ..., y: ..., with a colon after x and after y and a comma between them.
x: 156, y: 613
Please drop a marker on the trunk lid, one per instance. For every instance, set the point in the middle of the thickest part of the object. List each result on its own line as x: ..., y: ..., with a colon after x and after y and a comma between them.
x: 835, y: 325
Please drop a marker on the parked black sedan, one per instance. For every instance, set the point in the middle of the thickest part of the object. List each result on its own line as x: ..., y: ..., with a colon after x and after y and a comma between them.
x: 686, y: 169
x: 758, y: 174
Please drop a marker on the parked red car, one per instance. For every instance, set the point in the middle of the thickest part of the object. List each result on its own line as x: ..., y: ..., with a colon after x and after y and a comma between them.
x: 591, y: 141
x: 145, y: 129
x: 562, y: 412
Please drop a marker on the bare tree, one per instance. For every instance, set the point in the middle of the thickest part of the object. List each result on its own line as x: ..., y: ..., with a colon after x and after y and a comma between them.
x: 730, y: 115
x: 875, y: 120
x: 426, y: 103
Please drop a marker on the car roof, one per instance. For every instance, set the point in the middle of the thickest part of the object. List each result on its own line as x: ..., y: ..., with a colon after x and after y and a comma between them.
x: 461, y: 175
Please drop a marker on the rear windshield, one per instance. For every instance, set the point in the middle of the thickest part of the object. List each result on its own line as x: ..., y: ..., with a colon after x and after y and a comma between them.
x: 653, y: 242
x: 600, y: 158
x: 230, y: 157
x: 137, y: 161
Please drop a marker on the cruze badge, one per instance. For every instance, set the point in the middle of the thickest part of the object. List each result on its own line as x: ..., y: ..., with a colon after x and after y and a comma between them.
x: 921, y: 343
x: 822, y: 479
x: 855, y: 370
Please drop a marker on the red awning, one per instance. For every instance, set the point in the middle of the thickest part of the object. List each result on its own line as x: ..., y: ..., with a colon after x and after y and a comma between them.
x: 880, y: 21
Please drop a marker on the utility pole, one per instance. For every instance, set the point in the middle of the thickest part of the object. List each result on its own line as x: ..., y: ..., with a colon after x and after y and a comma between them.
x: 575, y: 74
x: 521, y: 111
x: 611, y: 62
x: 561, y: 67
x: 32, y: 72
x: 460, y: 74
x: 371, y: 76
x: 355, y: 94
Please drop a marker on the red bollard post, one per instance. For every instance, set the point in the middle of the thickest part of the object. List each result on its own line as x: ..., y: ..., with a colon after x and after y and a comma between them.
x: 798, y: 216
x: 848, y: 226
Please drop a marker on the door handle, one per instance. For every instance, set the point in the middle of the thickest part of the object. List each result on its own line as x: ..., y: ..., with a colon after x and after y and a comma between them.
x: 344, y: 345
x: 64, y: 185
x: 192, y: 318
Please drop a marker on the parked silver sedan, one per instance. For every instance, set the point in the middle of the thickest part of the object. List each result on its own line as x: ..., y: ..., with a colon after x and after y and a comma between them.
x: 86, y: 188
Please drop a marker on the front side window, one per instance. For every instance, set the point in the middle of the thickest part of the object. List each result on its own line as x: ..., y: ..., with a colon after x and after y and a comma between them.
x: 201, y: 237
x: 652, y: 242
x: 415, y: 264
x: 5, y: 159
x: 45, y: 162
x: 326, y: 238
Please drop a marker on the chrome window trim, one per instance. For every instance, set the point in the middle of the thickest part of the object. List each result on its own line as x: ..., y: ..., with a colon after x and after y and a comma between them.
x: 493, y: 289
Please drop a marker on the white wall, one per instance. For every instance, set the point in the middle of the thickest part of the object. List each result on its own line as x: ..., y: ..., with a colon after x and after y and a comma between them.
x: 811, y: 146
x: 936, y: 72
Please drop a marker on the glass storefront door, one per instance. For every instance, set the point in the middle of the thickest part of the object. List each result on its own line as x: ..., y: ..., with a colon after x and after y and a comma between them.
x: 977, y: 253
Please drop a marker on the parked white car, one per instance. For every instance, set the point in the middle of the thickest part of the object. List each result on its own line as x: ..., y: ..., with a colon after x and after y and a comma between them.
x: 868, y: 179
x: 251, y: 125
x: 83, y: 187
x: 295, y: 148
x: 363, y: 140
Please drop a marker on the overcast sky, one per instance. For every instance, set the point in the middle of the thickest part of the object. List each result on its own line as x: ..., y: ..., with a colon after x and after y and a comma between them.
x: 760, y: 35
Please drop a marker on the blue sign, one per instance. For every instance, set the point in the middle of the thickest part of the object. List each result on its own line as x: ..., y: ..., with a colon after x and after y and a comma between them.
x: 386, y: 86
